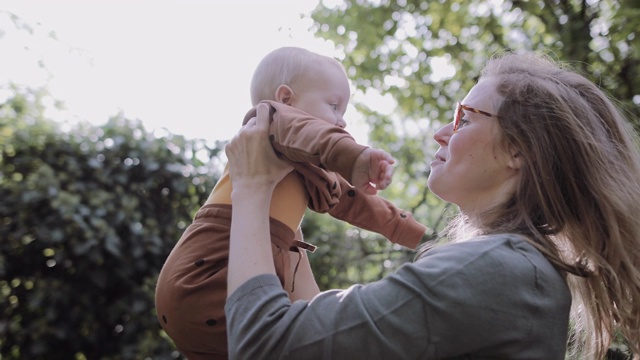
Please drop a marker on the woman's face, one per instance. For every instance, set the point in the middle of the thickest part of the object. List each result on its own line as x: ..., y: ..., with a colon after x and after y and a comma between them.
x: 471, y: 169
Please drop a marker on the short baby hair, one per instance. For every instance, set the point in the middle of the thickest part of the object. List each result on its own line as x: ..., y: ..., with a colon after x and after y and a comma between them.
x: 280, y: 67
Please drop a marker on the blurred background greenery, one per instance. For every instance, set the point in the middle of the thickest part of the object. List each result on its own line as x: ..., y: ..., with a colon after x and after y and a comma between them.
x: 89, y: 213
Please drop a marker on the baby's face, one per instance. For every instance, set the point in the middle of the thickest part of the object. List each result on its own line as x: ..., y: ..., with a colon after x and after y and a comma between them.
x: 324, y: 93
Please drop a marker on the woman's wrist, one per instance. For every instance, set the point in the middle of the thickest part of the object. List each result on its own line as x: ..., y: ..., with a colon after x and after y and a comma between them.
x: 250, y: 190
x: 262, y: 184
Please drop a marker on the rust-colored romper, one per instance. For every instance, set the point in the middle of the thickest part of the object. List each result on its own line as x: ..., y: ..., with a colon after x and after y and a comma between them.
x: 192, y: 286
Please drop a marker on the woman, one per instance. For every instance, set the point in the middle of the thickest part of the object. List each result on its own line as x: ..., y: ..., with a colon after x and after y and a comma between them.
x: 546, y: 175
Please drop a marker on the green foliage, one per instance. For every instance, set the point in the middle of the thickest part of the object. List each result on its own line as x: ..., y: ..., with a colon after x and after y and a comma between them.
x: 87, y: 219
x: 393, y: 46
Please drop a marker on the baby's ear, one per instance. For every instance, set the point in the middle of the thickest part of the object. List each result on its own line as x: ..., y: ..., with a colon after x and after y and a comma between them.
x: 284, y: 94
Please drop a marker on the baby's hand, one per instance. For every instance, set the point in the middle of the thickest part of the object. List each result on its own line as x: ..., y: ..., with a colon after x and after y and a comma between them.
x: 372, y: 171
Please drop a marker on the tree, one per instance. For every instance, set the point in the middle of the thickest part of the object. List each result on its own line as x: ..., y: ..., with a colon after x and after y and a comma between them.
x: 87, y: 218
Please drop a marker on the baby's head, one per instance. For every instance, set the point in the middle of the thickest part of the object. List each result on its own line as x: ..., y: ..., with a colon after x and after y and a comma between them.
x: 313, y: 83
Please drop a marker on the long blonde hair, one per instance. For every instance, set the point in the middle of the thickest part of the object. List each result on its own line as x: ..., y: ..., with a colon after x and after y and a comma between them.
x: 578, y: 199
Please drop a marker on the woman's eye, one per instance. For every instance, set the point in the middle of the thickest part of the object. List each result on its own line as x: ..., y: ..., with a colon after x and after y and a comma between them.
x: 463, y: 122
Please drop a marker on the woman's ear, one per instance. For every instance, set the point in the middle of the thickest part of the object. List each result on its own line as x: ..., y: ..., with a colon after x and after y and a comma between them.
x: 515, y: 159
x: 284, y: 94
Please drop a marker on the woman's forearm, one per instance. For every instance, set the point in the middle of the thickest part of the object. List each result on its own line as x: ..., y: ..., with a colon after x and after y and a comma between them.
x: 254, y: 175
x: 250, y: 246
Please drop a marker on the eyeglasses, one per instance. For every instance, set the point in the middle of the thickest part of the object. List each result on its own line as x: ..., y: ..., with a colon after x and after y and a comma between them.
x: 458, y: 114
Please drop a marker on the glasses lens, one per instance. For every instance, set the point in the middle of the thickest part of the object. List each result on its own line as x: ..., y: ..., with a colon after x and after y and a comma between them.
x: 456, y: 117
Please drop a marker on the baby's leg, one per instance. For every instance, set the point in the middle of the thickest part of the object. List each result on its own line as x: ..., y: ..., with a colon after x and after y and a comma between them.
x: 191, y: 289
x: 300, y: 283
x: 305, y: 284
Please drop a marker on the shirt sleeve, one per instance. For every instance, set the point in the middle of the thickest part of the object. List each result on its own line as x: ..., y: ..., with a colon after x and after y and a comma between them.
x: 300, y: 137
x: 484, y: 299
x: 375, y: 213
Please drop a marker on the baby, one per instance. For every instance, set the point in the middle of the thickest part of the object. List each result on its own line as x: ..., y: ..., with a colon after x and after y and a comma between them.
x: 307, y: 94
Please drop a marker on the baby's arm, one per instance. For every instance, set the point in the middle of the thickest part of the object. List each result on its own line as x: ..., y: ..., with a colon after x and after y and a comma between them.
x: 374, y: 213
x: 372, y: 171
x: 299, y: 137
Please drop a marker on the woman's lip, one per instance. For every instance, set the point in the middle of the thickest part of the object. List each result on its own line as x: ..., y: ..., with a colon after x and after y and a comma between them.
x: 437, y: 161
x: 437, y: 156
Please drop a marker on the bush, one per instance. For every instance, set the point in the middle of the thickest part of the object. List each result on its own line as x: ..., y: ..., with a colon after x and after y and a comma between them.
x: 87, y: 218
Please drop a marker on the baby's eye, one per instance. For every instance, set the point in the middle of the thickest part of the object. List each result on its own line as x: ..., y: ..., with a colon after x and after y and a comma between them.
x: 334, y: 106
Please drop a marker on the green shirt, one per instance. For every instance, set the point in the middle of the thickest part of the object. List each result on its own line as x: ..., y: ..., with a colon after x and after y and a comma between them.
x: 495, y: 297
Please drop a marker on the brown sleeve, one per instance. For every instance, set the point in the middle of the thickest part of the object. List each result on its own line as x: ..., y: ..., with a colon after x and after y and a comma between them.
x: 300, y: 137
x: 374, y: 213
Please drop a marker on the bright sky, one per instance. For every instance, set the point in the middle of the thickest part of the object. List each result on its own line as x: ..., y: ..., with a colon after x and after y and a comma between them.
x: 183, y: 65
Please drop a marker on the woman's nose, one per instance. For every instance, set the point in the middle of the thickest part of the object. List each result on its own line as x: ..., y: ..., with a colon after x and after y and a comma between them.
x: 443, y: 134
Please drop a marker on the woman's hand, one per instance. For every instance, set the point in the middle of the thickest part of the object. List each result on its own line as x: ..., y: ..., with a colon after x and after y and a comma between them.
x: 252, y: 158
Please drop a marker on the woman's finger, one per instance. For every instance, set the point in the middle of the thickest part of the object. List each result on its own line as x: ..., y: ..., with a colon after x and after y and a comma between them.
x: 251, y: 151
x: 262, y: 116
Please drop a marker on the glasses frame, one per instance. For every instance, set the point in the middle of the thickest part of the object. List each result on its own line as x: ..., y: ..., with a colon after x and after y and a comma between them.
x: 458, y: 114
